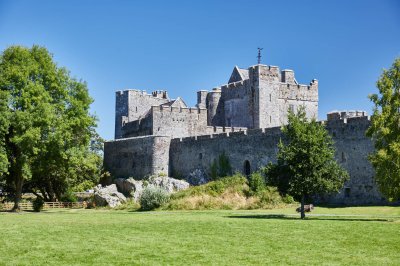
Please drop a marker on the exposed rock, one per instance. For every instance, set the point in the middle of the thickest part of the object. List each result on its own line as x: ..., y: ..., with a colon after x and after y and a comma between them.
x: 130, y: 187
x: 168, y: 183
x: 197, y: 177
x: 108, y: 196
x: 134, y: 188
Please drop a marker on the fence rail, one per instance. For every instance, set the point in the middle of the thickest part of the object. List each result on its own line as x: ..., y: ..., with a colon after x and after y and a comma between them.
x: 47, y: 205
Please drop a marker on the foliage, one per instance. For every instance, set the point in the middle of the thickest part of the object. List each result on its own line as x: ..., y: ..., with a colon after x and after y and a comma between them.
x: 152, y: 198
x: 4, y: 125
x: 45, y: 127
x: 214, y: 170
x: 236, y: 183
x: 84, y: 186
x: 385, y: 130
x: 230, y: 192
x: 221, y: 167
x: 38, y: 204
x: 129, y: 205
x: 305, y: 162
x: 256, y: 182
x: 68, y: 196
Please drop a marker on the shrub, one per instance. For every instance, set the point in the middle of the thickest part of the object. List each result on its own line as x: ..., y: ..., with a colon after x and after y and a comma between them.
x: 256, y: 183
x: 220, y: 168
x: 153, y: 198
x: 214, y: 170
x: 38, y: 204
x: 129, y: 205
x: 68, y: 196
x: 225, y: 168
x: 288, y: 199
x: 85, y: 185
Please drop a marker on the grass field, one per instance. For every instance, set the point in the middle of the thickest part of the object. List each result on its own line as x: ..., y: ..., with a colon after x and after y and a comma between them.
x: 351, y: 236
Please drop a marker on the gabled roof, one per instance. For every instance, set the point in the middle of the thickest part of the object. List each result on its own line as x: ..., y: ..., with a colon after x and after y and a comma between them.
x: 238, y: 74
x: 178, y: 102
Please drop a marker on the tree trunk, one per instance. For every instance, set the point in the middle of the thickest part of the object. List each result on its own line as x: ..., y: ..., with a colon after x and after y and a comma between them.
x: 18, y: 193
x: 303, y: 215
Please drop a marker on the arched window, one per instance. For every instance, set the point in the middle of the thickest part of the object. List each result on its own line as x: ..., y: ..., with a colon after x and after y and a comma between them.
x: 247, y: 168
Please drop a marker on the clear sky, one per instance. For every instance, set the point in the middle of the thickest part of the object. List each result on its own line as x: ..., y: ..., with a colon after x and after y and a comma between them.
x: 185, y: 46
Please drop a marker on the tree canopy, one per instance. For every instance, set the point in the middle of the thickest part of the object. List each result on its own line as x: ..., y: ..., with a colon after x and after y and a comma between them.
x: 385, y: 131
x: 45, y: 126
x: 306, y: 164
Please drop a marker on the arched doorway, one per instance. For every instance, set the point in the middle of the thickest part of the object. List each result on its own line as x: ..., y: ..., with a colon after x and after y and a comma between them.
x: 247, y: 168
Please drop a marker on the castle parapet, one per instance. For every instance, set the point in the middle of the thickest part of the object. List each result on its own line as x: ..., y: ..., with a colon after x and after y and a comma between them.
x: 183, y: 110
x: 342, y: 115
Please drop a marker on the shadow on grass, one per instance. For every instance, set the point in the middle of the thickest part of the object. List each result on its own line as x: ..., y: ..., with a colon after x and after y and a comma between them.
x: 313, y: 218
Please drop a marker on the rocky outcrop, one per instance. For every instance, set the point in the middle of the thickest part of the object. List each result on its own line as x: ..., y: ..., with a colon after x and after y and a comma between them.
x: 130, y: 187
x: 108, y: 196
x: 170, y: 184
x: 197, y: 177
x: 134, y: 188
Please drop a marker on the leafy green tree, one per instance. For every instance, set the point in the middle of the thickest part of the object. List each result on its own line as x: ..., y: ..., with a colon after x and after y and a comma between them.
x: 306, y: 163
x: 48, y: 129
x: 4, y: 125
x: 385, y: 130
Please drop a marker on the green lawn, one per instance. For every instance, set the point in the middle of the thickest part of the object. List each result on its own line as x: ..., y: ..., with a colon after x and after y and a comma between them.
x: 363, y: 236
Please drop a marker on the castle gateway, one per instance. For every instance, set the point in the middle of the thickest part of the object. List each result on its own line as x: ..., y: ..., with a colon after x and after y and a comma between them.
x: 158, y: 135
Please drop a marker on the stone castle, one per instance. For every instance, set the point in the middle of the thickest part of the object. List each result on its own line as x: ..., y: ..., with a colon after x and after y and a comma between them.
x: 158, y: 135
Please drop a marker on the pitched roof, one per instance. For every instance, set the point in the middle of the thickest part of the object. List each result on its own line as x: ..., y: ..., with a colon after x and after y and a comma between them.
x: 238, y: 74
x: 178, y: 102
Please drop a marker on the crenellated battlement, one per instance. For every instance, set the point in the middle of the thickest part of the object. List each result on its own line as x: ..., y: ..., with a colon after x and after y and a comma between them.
x: 234, y: 84
x: 299, y: 92
x: 170, y: 109
x: 343, y: 115
x: 161, y: 94
x: 232, y: 133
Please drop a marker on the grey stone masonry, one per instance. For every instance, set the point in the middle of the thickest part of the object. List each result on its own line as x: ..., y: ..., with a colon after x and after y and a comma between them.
x: 242, y: 119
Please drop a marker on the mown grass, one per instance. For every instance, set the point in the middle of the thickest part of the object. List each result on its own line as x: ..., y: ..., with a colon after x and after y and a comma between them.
x: 360, y: 236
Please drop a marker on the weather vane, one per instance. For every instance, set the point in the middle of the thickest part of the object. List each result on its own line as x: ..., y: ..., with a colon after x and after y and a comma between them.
x: 259, y: 55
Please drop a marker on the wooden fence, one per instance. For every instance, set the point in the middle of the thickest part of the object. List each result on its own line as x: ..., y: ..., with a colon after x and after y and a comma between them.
x: 47, y: 205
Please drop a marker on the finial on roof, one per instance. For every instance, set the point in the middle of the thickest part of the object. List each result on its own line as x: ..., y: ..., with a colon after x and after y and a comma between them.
x: 259, y: 55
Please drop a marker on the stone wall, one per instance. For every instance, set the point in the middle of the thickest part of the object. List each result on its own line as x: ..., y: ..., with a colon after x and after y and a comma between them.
x: 352, y: 150
x: 179, y: 122
x: 136, y: 128
x: 259, y: 146
x: 133, y: 105
x: 238, y: 104
x: 215, y: 108
x: 137, y: 157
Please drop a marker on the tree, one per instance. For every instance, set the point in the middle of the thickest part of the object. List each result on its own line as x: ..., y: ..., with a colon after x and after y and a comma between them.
x: 385, y: 131
x: 45, y: 121
x: 305, y: 161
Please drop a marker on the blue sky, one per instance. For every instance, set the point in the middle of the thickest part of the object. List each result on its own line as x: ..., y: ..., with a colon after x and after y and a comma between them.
x: 185, y: 46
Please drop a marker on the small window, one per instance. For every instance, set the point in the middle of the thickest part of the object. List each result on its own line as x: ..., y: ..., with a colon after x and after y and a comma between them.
x: 270, y: 119
x: 270, y: 98
x: 136, y: 109
x: 347, y: 192
x: 200, y: 156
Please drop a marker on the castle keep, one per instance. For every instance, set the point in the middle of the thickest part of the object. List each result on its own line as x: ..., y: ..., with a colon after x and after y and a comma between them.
x: 158, y: 135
